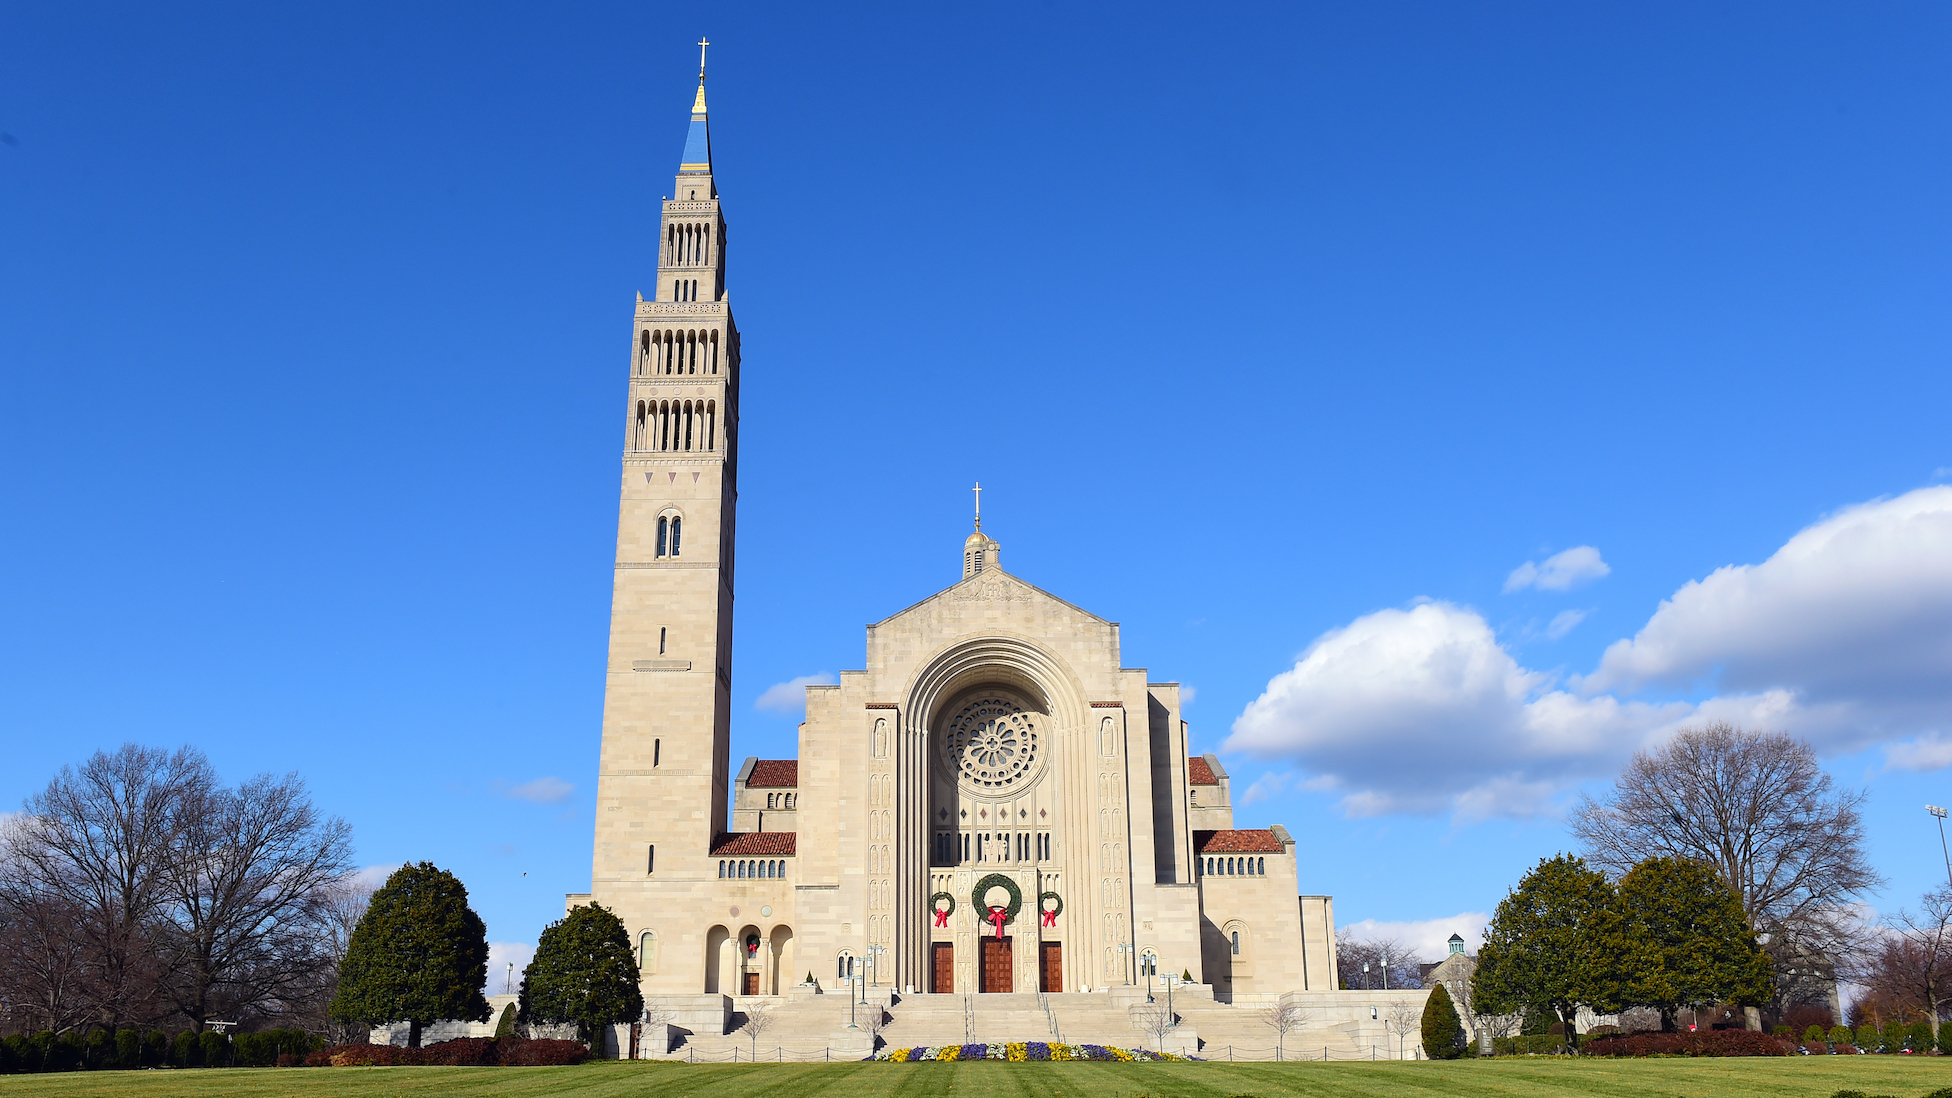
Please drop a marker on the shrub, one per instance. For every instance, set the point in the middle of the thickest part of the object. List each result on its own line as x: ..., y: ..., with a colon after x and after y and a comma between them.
x: 1893, y: 1035
x: 1812, y: 1035
x: 1920, y: 1037
x: 1720, y: 1042
x: 1839, y: 1035
x: 1524, y: 1045
x: 460, y: 1052
x: 1867, y: 1037
x: 1443, y: 1036
x: 1783, y: 1032
x: 216, y: 1050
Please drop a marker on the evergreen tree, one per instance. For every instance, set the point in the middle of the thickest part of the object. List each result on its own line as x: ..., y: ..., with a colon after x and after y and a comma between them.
x: 1443, y: 1036
x: 583, y: 972
x: 418, y: 956
x: 1688, y: 941
x: 506, y: 1026
x: 1556, y: 941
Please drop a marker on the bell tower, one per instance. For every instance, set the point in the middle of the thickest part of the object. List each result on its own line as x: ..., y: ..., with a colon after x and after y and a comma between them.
x: 665, y: 765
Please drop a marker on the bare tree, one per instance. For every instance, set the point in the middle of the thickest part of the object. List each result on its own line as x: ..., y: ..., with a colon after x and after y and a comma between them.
x: 1391, y: 965
x: 1912, y: 966
x: 757, y: 1022
x: 1757, y: 807
x: 97, y: 843
x: 1401, y: 1015
x: 1283, y: 1019
x: 249, y: 881
x: 1155, y: 1021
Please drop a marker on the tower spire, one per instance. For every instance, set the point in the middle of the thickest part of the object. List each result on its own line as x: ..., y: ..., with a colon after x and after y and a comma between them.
x: 698, y: 140
x: 979, y: 504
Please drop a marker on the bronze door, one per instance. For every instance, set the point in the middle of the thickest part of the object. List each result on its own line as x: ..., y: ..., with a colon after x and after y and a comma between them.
x: 944, y: 957
x: 1052, y: 967
x: 996, y: 965
x: 752, y: 983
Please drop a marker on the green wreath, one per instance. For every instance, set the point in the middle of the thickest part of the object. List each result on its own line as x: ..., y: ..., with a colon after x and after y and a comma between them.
x: 998, y: 880
x: 1042, y: 896
x: 937, y: 897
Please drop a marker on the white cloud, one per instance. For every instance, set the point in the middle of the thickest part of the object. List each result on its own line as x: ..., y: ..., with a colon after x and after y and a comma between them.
x: 500, y: 954
x: 546, y: 790
x: 1849, y: 624
x: 790, y: 697
x: 373, y: 876
x: 1266, y: 787
x: 1565, y: 621
x: 1429, y: 937
x: 1560, y: 572
x: 1186, y: 695
x: 1843, y: 636
x: 1421, y: 710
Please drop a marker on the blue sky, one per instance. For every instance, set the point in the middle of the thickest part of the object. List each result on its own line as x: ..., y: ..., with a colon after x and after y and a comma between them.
x: 1261, y: 327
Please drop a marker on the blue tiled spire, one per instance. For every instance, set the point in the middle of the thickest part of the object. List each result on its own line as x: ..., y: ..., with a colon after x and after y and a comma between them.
x: 698, y: 142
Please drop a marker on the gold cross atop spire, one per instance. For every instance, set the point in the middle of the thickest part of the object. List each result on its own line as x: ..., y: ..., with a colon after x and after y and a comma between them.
x: 702, y: 43
x: 979, y: 504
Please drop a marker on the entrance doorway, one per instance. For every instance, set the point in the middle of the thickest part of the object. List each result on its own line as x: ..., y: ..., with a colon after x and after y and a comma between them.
x: 1050, y: 967
x: 996, y: 965
x: 942, y: 967
x: 751, y: 984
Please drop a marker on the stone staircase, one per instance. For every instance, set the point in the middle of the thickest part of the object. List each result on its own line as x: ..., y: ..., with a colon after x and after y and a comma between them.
x: 799, y: 1027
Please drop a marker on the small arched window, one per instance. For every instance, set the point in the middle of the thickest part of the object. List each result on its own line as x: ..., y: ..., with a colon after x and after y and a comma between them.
x: 644, y: 351
x: 663, y: 533
x: 647, y: 952
x: 1260, y: 867
x: 721, y: 870
x: 676, y: 528
x: 657, y: 746
x: 1236, y: 942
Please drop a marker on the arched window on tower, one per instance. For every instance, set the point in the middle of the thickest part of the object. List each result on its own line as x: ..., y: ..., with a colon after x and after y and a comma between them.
x: 663, y: 529
x: 677, y: 526
x: 644, y: 351
x: 647, y: 952
x: 1236, y: 942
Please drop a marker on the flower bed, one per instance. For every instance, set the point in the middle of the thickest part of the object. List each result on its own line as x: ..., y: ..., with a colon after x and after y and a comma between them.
x: 1023, y: 1052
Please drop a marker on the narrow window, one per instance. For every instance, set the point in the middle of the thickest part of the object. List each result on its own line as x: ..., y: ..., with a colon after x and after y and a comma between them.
x: 647, y: 952
x: 657, y: 748
x: 660, y: 640
x: 644, y: 351
x: 1236, y: 938
x: 1260, y: 867
x: 965, y: 847
x: 721, y: 871
x: 676, y: 522
x: 650, y: 859
x: 662, y: 528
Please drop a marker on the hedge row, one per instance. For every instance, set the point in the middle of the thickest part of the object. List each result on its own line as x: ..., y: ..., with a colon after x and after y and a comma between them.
x: 128, y: 1049
x: 1718, y: 1042
x: 460, y: 1052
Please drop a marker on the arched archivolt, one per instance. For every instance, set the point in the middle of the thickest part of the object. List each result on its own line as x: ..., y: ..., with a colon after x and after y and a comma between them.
x: 717, y: 953
x: 1005, y: 660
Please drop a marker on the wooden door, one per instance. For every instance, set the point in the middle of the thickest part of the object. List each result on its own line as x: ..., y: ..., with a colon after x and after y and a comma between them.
x: 1051, y: 966
x: 752, y: 983
x: 996, y: 965
x: 943, y: 959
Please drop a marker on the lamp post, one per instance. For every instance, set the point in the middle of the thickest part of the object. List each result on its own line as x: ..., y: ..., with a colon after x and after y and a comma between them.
x: 1148, y: 964
x: 1385, y: 970
x: 874, y: 964
x: 1172, y: 1019
x: 1940, y: 814
x: 1124, y: 951
x: 1365, y: 975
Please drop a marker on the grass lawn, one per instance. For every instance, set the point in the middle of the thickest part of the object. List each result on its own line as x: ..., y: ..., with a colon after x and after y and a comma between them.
x: 1798, y: 1077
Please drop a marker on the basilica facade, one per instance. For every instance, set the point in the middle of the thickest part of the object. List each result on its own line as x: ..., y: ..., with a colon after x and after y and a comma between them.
x: 995, y: 802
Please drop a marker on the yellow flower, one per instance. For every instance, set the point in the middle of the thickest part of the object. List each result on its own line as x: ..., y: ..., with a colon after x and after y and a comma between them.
x: 949, y: 1052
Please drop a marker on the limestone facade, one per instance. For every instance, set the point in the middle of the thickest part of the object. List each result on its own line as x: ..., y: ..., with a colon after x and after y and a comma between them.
x: 993, y: 803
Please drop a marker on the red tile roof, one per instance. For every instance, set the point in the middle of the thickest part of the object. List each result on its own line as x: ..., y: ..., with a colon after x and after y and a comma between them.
x: 756, y: 842
x: 774, y: 774
x: 1199, y: 773
x: 1236, y: 842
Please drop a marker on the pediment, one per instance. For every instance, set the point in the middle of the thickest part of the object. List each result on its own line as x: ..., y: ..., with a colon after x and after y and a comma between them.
x: 993, y: 589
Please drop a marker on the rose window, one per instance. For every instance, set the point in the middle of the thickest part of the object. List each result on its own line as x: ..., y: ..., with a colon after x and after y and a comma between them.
x: 991, y: 743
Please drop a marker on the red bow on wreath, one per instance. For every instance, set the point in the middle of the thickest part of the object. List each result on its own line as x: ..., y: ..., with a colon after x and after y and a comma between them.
x: 1050, y: 917
x: 941, y: 916
x: 997, y: 915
